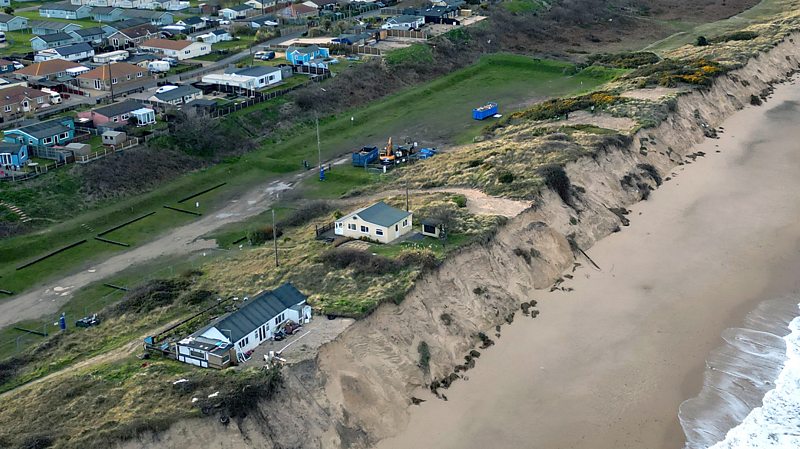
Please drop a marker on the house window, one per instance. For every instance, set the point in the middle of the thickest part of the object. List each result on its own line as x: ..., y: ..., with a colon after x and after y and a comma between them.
x: 279, y: 318
x: 40, y: 100
x: 25, y: 104
x: 197, y: 354
x: 97, y: 84
x: 115, y: 42
x: 379, y: 231
x: 186, y: 52
x: 113, y: 81
x: 64, y: 136
x: 405, y: 223
x: 7, y: 108
x: 351, y: 226
x: 115, y: 119
x: 125, y: 116
x: 396, y: 227
x: 365, y: 229
x: 139, y: 74
x: 48, y: 140
x: 129, y: 77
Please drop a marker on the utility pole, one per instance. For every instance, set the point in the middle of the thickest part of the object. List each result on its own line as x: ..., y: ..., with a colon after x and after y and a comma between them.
x: 319, y: 146
x: 274, y: 237
x: 408, y: 209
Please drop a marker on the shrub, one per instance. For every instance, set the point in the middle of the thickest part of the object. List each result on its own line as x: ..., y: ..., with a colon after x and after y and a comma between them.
x: 263, y: 234
x: 556, y: 179
x: 755, y: 100
x: 361, y: 262
x: 560, y: 106
x: 306, y: 212
x: 505, y: 177
x: 625, y: 60
x: 424, y: 356
x: 460, y: 200
x: 701, y: 41
x: 736, y: 36
x: 151, y: 295
x: 423, y: 258
x: 446, y: 319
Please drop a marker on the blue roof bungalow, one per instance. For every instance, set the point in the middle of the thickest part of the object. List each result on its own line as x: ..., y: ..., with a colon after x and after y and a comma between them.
x: 158, y: 18
x: 93, y: 35
x: 305, y: 55
x: 13, y: 154
x: 106, y: 14
x: 65, y: 10
x: 41, y: 27
x: 12, y: 23
x: 46, y: 41
x: 44, y: 134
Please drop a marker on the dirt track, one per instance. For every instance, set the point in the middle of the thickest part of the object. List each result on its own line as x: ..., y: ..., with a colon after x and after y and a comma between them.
x: 186, y: 239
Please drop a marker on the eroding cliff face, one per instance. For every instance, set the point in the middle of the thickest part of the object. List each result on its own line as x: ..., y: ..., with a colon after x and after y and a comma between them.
x: 359, y: 389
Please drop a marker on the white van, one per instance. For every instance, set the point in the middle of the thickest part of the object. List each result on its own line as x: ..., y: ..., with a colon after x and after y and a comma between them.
x: 55, y: 97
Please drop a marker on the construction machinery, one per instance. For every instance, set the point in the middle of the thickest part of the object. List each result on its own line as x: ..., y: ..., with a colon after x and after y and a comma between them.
x: 396, y: 154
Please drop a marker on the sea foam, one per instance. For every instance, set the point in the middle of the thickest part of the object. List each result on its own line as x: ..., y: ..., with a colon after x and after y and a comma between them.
x: 751, y: 393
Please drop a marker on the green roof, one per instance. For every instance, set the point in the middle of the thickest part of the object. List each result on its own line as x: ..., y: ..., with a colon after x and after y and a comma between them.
x: 382, y: 214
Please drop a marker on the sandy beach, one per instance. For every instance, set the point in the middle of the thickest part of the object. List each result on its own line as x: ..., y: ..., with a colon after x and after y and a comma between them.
x: 608, y: 364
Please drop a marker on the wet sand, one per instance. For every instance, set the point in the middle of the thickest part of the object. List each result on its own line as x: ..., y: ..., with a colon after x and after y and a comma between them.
x: 607, y: 365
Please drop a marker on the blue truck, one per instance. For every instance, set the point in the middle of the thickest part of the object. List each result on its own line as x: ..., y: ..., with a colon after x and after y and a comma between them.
x: 487, y: 110
x: 365, y: 156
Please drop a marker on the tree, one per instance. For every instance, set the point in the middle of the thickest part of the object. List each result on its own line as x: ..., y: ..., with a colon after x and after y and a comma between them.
x: 8, y: 10
x: 701, y: 41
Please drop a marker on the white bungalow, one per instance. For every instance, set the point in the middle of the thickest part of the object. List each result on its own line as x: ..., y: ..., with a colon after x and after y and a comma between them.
x: 379, y: 222
x: 231, y: 337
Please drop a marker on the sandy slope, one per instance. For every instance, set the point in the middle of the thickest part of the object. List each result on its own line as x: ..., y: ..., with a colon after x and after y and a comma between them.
x: 608, y: 364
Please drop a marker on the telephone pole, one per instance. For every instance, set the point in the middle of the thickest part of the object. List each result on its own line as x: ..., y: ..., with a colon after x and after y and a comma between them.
x: 408, y: 209
x: 275, y: 237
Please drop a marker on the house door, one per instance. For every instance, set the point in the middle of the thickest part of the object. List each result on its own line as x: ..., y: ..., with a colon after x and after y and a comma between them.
x: 97, y: 84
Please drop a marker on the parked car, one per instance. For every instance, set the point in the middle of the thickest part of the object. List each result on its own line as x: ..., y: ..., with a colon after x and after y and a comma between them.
x: 171, y: 61
x: 380, y: 5
x: 18, y: 65
x: 166, y: 88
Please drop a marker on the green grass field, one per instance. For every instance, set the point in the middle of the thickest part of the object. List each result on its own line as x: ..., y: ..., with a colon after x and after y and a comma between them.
x: 688, y: 32
x: 438, y: 111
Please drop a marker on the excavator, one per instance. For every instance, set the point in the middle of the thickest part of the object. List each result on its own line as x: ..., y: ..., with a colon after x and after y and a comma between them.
x: 390, y: 154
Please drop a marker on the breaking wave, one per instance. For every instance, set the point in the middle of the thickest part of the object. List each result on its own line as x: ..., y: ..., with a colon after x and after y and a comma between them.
x: 751, y: 391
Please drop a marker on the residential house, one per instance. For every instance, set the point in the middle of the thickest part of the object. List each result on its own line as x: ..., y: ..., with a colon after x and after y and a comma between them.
x: 131, y: 37
x: 74, y: 52
x: 306, y: 55
x: 106, y: 14
x: 6, y: 66
x: 4, y: 3
x: 65, y: 10
x: 440, y: 14
x: 354, y: 38
x: 119, y: 76
x: 212, y: 37
x: 120, y: 113
x: 450, y: 3
x: 142, y: 60
x: 192, y: 23
x: 42, y: 27
x: 322, y: 4
x: 260, y: 21
x: 404, y: 22
x: 49, y: 70
x: 13, y: 154
x: 19, y: 100
x: 123, y: 24
x: 12, y: 23
x: 48, y: 133
x: 229, y: 338
x: 237, y: 12
x: 210, y: 8
x: 166, y: 5
x: 259, y: 5
x: 379, y: 222
x: 298, y: 11
x: 159, y: 18
x: 178, y: 96
x: 179, y: 50
x: 93, y: 36
x: 46, y: 41
x: 250, y: 78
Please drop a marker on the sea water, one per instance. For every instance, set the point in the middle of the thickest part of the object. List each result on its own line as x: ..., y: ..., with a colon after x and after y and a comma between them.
x: 751, y: 393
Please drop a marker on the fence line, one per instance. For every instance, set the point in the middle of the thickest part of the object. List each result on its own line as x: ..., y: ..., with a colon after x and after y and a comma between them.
x: 411, y: 34
x: 356, y: 49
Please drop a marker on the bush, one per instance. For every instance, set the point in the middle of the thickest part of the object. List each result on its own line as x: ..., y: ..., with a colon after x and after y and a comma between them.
x: 560, y: 106
x: 305, y: 213
x: 424, y: 356
x: 460, y: 200
x: 755, y: 100
x: 701, y: 41
x: 505, y: 177
x: 361, y: 262
x: 556, y: 179
x: 423, y: 258
x: 263, y: 234
x: 626, y: 60
x: 736, y: 36
x: 151, y: 295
